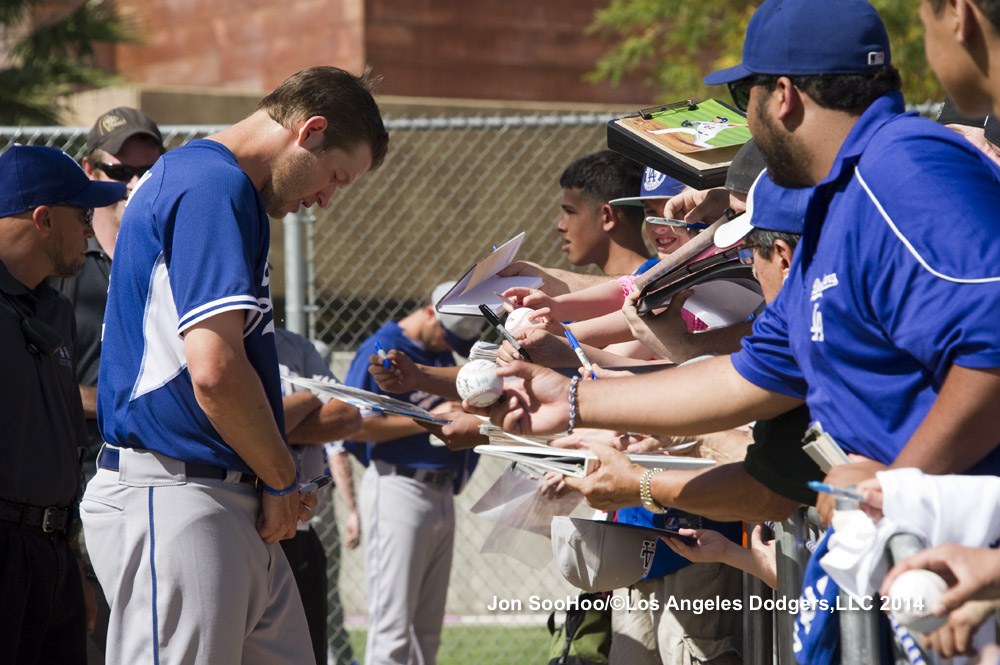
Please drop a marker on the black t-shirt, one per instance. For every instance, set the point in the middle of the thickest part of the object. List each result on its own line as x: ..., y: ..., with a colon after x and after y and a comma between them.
x: 88, y: 292
x: 776, y: 458
x: 40, y: 408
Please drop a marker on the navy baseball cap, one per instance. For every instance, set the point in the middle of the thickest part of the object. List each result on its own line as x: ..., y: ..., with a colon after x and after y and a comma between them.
x: 810, y: 37
x: 31, y: 176
x: 769, y: 207
x: 655, y: 185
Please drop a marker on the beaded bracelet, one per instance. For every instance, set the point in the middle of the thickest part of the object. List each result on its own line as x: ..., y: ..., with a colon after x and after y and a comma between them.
x: 288, y: 490
x: 573, y: 384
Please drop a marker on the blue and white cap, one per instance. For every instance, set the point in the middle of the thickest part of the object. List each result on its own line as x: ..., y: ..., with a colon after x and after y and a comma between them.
x: 655, y: 185
x: 769, y: 207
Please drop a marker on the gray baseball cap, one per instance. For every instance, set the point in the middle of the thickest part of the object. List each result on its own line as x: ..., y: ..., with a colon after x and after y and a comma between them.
x: 595, y: 555
x: 461, y: 332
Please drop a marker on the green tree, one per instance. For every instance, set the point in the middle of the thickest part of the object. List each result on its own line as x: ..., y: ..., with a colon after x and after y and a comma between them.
x: 48, y: 57
x: 679, y: 41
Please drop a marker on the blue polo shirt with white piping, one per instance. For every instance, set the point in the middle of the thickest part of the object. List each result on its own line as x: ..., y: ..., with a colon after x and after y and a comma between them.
x: 896, y: 279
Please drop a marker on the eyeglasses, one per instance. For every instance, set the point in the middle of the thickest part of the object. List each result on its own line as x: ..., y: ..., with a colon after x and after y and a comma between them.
x: 122, y: 172
x: 678, y: 223
x: 87, y: 213
x: 740, y: 90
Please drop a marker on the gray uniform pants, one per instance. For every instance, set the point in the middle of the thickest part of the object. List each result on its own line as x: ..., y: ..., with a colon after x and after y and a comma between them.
x: 186, y: 575
x: 409, y: 531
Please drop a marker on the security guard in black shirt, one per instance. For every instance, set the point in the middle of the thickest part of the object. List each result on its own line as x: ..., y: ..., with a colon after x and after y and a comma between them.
x: 46, y: 209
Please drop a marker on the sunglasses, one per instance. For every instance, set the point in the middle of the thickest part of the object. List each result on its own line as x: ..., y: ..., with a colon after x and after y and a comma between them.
x: 122, y: 172
x: 87, y: 213
x: 740, y: 90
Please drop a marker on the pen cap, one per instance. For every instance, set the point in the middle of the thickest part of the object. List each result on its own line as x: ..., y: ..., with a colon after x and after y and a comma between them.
x: 460, y: 332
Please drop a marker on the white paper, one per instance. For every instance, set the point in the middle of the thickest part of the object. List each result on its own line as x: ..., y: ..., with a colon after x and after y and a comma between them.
x: 481, y: 283
x: 722, y: 302
x: 578, y: 461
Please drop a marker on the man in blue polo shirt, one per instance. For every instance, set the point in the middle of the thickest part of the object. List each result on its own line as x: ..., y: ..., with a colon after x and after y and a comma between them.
x: 196, y: 485
x: 886, y: 326
x: 406, y: 496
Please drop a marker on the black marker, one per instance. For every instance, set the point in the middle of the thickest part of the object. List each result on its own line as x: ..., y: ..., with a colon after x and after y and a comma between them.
x: 495, y: 322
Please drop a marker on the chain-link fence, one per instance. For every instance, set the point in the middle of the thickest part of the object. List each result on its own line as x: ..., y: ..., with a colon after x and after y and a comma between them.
x: 450, y: 189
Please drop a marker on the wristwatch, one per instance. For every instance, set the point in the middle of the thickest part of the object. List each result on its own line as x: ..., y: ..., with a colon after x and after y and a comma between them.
x: 648, y: 502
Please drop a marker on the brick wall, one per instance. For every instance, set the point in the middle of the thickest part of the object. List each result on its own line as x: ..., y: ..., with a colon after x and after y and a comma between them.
x: 490, y: 49
x: 238, y: 44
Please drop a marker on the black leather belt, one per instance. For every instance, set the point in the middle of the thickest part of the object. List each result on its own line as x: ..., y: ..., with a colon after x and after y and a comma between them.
x: 108, y: 459
x: 431, y: 476
x: 51, y: 520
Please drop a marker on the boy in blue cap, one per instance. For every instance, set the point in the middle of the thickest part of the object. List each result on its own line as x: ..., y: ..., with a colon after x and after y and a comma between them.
x: 46, y: 208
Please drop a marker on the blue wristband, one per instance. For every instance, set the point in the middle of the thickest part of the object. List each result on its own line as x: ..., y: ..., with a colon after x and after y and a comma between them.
x: 288, y: 490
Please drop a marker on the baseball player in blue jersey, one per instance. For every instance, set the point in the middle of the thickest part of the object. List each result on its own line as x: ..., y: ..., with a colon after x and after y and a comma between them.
x: 183, y: 542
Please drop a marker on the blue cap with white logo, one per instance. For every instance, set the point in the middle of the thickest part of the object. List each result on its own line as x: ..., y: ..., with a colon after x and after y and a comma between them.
x: 810, y: 37
x: 655, y: 185
x: 769, y: 207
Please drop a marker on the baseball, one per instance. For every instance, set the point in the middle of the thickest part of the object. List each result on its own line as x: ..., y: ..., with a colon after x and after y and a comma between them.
x: 478, y: 383
x: 519, y: 318
x: 912, y: 597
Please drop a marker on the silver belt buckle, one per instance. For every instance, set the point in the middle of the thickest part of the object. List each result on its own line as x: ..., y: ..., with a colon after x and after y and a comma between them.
x: 50, y: 523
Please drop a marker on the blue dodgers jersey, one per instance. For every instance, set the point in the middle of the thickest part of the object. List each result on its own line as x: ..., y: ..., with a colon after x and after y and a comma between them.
x: 896, y: 278
x: 416, y: 450
x: 193, y: 243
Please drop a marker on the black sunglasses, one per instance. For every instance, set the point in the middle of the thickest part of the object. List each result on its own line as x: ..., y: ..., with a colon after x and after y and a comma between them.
x: 740, y: 90
x: 87, y: 213
x: 122, y: 172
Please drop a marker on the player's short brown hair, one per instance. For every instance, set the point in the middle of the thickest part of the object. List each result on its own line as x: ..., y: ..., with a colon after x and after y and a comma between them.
x: 345, y: 100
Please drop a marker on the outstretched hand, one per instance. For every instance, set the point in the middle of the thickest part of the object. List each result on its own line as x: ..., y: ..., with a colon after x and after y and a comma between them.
x: 666, y: 333
x: 536, y: 402
x: 972, y: 573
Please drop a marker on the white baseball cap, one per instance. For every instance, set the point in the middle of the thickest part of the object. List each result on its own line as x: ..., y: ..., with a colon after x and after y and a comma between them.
x: 460, y: 331
x: 595, y: 555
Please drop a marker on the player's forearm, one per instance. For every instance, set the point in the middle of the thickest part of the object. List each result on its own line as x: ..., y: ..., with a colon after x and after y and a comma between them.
x: 232, y: 396
x: 340, y: 470
x: 378, y: 429
x: 647, y: 403
x: 88, y: 395
x: 438, y: 381
x: 297, y: 407
x: 332, y: 421
x: 960, y: 428
x: 238, y: 408
x: 603, y: 330
x: 725, y: 493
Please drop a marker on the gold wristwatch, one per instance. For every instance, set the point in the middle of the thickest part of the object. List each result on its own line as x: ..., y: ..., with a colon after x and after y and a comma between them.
x: 648, y: 502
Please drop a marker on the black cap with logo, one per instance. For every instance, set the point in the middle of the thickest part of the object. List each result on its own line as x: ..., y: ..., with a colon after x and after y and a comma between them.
x: 118, y: 125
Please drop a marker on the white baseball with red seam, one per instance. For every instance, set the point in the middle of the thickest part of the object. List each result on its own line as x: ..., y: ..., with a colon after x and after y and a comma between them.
x: 478, y: 384
x: 912, y: 597
x: 519, y: 318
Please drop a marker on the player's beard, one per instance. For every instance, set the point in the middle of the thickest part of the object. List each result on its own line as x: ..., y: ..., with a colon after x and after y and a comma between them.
x: 61, y: 266
x: 287, y: 182
x: 787, y: 162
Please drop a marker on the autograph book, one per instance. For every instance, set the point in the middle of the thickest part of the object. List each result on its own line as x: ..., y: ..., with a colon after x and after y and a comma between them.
x: 480, y: 284
x: 578, y: 462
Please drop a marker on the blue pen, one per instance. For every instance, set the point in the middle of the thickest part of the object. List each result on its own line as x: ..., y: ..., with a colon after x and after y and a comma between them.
x: 494, y: 248
x: 381, y: 354
x: 580, y: 354
x: 844, y: 492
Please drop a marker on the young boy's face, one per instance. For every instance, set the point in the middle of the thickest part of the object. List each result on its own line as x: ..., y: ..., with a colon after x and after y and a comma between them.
x: 581, y: 227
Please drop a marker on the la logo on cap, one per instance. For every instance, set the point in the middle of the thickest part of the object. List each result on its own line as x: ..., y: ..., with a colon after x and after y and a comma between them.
x: 876, y: 58
x: 653, y: 179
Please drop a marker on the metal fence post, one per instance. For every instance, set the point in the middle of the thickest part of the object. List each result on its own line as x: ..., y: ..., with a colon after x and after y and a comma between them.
x: 758, y: 626
x: 295, y: 274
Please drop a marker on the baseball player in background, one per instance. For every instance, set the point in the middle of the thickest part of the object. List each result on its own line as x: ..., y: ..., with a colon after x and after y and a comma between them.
x: 182, y: 540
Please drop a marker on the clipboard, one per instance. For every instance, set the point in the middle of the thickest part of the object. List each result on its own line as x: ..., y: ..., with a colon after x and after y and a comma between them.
x: 364, y: 399
x: 694, y: 142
